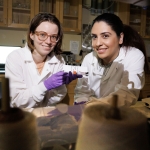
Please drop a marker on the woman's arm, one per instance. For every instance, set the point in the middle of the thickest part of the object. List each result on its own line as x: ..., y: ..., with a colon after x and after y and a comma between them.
x: 27, y: 95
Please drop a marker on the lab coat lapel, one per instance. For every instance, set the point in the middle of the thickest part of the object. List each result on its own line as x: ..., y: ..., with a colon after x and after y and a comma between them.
x: 31, y: 66
x: 45, y: 72
x: 33, y: 72
x: 112, y: 70
x: 96, y: 81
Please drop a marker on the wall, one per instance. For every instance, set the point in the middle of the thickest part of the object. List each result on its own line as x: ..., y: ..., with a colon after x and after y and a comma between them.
x: 16, y: 37
x: 12, y: 37
x: 68, y: 38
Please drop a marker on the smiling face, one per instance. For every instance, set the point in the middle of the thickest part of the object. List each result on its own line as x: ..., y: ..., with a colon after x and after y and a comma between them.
x: 43, y: 48
x: 105, y: 41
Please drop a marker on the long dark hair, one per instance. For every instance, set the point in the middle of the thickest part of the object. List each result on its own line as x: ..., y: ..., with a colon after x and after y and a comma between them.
x: 36, y: 21
x: 131, y: 36
x: 134, y: 39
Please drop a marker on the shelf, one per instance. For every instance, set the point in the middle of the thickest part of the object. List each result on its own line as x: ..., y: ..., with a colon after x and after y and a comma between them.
x: 72, y: 30
x: 135, y: 24
x: 22, y: 9
x: 136, y: 17
x: 135, y: 10
x: 47, y: 12
x: 70, y: 16
x: 18, y: 13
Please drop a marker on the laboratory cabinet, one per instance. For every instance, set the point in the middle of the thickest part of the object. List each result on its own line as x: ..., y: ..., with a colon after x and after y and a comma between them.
x: 71, y: 15
x: 16, y: 13
x: 135, y: 16
x: 147, y: 26
x: 49, y: 6
x: 68, y: 12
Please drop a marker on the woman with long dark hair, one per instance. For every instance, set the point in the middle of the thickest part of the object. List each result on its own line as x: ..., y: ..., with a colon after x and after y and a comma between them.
x: 116, y: 64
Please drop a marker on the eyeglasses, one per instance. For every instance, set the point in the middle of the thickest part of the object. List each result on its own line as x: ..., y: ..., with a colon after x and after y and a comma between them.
x: 42, y: 36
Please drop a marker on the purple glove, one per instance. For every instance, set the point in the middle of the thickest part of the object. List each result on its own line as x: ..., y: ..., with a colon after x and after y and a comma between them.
x: 69, y: 77
x: 55, y: 80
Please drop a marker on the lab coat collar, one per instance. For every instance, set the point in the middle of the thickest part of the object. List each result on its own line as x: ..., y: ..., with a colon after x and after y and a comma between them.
x: 112, y: 70
x: 52, y: 59
x: 121, y: 55
x: 114, y: 65
x: 49, y: 66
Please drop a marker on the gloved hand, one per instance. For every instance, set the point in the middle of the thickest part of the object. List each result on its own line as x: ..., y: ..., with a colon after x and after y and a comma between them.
x: 55, y: 80
x: 69, y: 77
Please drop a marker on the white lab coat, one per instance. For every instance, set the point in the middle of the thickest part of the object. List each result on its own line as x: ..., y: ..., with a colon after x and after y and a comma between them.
x: 27, y: 89
x: 124, y: 78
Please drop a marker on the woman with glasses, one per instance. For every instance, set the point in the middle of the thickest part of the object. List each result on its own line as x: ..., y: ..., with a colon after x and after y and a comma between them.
x: 35, y: 71
x: 116, y: 64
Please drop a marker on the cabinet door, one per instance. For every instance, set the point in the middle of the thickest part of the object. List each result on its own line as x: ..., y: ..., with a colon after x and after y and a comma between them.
x: 136, y: 18
x: 70, y: 15
x: 123, y: 11
x: 140, y: 20
x: 49, y: 6
x: 147, y: 26
x: 20, y: 12
x: 3, y: 13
